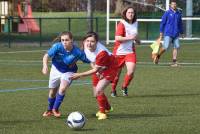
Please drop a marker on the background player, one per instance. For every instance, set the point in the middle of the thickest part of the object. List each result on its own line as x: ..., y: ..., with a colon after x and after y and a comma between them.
x: 126, y: 34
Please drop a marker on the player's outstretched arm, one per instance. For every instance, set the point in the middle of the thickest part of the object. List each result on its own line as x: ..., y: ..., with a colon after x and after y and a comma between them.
x: 45, y: 64
x: 86, y: 73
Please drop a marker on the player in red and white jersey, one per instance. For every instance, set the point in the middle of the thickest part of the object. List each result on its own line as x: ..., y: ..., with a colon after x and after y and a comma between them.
x: 104, y: 70
x: 124, y: 48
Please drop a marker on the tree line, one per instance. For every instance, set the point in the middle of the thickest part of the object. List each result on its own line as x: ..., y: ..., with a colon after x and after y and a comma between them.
x: 100, y: 5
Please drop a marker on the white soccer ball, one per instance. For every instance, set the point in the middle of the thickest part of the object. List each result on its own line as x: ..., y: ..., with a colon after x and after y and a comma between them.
x: 76, y: 120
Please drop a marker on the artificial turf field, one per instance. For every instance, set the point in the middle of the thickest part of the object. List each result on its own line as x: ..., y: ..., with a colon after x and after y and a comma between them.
x: 162, y: 99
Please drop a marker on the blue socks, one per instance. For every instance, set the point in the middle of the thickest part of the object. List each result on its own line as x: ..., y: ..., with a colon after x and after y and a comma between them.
x: 51, y: 103
x: 58, y: 101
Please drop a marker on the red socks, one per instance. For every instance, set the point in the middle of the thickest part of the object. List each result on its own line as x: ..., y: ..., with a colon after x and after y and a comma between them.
x: 114, y: 83
x: 107, y: 105
x: 127, y: 80
x: 103, y: 103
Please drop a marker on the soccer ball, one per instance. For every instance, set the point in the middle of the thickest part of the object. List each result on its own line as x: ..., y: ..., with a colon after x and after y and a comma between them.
x: 76, y: 120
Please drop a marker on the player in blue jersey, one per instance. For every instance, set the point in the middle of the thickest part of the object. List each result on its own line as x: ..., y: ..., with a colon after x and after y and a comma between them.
x: 64, y: 56
x: 171, y: 27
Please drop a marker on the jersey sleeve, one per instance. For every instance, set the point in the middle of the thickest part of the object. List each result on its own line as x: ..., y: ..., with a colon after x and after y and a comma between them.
x: 52, y: 51
x: 83, y: 57
x: 102, y: 59
x: 120, y: 31
x: 163, y: 22
x: 75, y: 55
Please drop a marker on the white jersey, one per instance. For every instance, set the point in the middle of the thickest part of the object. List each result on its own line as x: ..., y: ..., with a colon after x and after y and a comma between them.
x: 126, y: 47
x: 92, y: 55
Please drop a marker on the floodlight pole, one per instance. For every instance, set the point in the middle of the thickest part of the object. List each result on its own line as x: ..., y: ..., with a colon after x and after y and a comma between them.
x: 108, y: 22
x: 167, y: 4
x: 189, y: 13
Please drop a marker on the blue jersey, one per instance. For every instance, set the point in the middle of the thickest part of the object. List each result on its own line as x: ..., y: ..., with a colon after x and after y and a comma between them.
x: 171, y: 24
x: 65, y: 61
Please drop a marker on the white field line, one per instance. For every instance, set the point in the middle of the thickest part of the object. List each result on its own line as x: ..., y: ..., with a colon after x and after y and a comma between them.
x: 37, y: 88
x: 21, y: 61
x: 33, y: 51
x: 25, y: 80
x: 143, y: 63
x: 168, y: 63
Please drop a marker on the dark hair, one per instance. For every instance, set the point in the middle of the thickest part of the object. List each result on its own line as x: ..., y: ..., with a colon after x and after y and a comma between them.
x: 124, y: 14
x: 58, y: 38
x: 173, y: 1
x: 90, y: 34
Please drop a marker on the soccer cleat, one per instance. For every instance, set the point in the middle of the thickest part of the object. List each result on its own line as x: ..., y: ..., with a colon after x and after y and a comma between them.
x: 98, y: 113
x: 125, y: 91
x: 106, y: 111
x: 175, y: 64
x: 56, y: 113
x: 47, y: 113
x: 102, y: 116
x: 113, y: 94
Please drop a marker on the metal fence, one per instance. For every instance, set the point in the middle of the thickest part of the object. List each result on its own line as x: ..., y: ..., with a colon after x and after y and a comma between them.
x: 40, y: 31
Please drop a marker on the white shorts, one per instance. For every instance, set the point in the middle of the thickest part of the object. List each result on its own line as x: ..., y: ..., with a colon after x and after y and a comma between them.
x: 56, y: 76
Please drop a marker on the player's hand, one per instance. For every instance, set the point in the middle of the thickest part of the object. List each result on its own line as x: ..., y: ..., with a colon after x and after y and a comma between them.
x: 75, y: 76
x: 161, y: 35
x: 100, y: 76
x: 137, y: 41
x: 45, y: 70
x: 131, y: 37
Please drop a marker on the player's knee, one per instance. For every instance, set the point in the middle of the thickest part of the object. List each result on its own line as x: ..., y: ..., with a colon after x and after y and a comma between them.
x: 177, y: 47
x: 99, y: 92
x: 52, y: 93
x: 165, y: 47
x: 62, y: 90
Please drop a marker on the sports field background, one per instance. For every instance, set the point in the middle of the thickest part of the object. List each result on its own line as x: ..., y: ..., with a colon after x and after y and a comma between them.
x: 162, y: 99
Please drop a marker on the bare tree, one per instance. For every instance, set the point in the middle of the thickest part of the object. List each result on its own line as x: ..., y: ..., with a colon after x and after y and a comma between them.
x: 90, y: 15
x: 119, y: 7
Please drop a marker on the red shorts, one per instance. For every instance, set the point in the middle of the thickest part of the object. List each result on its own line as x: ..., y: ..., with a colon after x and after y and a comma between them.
x: 126, y: 58
x: 108, y: 74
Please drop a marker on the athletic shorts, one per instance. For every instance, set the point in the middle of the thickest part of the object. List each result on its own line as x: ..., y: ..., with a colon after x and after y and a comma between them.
x: 169, y: 40
x: 126, y: 58
x: 56, y: 76
x: 108, y: 74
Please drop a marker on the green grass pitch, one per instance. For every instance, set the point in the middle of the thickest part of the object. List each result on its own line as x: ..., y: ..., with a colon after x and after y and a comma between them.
x: 162, y: 99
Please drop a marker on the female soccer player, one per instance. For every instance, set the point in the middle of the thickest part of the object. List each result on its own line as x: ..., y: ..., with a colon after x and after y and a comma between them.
x: 126, y: 35
x: 64, y: 56
x: 103, y: 71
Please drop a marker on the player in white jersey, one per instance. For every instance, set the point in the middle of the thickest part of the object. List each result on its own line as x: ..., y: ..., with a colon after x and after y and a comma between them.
x: 124, y: 48
x: 64, y: 56
x: 104, y: 70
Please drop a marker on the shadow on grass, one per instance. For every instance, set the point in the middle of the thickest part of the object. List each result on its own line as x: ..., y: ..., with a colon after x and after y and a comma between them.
x: 84, y: 130
x: 134, y: 116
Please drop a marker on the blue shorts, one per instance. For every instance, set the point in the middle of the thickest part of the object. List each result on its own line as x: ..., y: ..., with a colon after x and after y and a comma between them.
x: 170, y: 40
